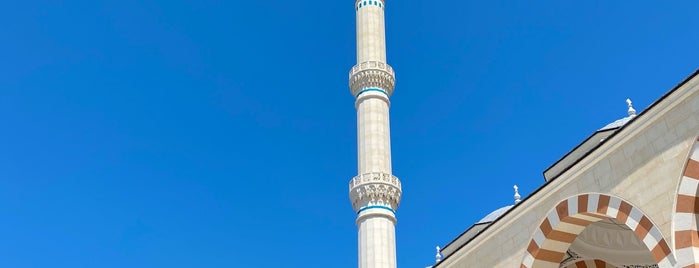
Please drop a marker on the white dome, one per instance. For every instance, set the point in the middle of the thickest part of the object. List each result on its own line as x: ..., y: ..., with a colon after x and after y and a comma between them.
x: 617, y: 123
x: 495, y: 214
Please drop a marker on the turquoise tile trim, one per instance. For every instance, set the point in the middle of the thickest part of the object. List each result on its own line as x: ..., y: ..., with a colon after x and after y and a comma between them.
x: 371, y: 3
x: 379, y: 207
x: 371, y: 89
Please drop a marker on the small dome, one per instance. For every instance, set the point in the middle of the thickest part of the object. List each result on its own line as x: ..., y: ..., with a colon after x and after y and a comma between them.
x: 495, y: 214
x: 623, y: 121
x: 617, y: 123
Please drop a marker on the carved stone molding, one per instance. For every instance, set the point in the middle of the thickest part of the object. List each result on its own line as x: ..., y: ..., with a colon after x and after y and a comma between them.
x: 375, y: 189
x: 372, y: 74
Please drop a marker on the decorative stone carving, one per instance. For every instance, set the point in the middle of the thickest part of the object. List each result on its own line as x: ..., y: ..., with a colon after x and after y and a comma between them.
x: 375, y: 189
x: 372, y: 74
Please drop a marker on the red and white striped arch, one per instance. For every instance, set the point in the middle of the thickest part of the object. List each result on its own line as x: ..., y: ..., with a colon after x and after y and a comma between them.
x: 590, y: 264
x: 687, y: 211
x: 571, y: 216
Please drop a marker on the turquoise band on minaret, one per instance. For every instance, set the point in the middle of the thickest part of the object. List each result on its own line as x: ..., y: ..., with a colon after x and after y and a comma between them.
x: 378, y: 207
x: 372, y: 89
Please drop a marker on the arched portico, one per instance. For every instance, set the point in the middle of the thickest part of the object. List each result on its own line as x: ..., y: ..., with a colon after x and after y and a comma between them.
x: 687, y: 211
x: 570, y: 217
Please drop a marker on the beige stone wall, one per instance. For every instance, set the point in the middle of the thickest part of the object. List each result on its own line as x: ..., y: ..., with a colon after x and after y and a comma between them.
x: 642, y: 165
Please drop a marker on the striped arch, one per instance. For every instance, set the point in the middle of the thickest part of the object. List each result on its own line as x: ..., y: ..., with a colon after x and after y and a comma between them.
x: 687, y: 211
x: 590, y: 264
x: 571, y: 216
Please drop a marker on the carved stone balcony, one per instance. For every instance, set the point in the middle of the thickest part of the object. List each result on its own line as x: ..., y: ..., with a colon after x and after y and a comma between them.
x: 372, y: 74
x: 375, y: 189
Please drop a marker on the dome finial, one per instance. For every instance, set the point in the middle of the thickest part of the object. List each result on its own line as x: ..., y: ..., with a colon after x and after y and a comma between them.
x: 438, y: 257
x: 517, y: 196
x: 632, y: 111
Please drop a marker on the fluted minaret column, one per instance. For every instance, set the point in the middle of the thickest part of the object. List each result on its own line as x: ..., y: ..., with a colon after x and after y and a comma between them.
x: 375, y: 193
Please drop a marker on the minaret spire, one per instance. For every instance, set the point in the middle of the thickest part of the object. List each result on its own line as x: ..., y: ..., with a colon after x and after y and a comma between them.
x: 375, y: 193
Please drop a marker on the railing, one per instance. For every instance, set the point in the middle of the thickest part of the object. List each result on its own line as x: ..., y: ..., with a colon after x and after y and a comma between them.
x: 375, y: 177
x: 371, y: 65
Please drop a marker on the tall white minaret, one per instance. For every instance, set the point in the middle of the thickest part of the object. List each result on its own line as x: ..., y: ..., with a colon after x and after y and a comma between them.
x: 375, y: 193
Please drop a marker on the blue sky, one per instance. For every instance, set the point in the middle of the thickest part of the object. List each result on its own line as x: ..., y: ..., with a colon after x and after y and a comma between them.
x: 222, y: 133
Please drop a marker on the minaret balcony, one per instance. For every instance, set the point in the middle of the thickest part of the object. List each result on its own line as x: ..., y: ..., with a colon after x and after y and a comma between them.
x: 375, y: 189
x: 372, y: 74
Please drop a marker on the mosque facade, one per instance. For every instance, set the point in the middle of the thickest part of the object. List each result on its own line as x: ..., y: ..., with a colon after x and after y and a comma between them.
x: 626, y: 197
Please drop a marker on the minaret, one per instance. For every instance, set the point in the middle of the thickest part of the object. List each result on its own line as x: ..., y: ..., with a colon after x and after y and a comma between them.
x: 375, y: 193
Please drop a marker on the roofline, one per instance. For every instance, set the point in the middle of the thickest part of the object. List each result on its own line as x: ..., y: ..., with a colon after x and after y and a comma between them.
x: 576, y: 148
x: 464, y: 232
x: 650, y: 107
x: 655, y: 103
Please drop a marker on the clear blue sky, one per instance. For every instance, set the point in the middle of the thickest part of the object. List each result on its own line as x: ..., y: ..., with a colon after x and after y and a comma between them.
x: 212, y: 133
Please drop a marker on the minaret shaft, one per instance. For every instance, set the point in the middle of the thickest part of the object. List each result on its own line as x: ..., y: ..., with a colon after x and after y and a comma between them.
x: 373, y: 136
x: 371, y: 33
x: 375, y: 193
x: 377, y: 243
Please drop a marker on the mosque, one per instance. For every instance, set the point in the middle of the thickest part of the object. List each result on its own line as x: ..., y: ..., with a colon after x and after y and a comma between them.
x: 626, y: 197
